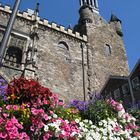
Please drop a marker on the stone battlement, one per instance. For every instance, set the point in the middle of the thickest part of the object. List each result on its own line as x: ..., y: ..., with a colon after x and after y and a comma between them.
x: 44, y: 22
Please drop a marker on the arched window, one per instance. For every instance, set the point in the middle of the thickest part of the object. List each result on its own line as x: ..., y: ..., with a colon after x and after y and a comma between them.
x: 108, y: 50
x: 63, y: 45
x: 63, y: 50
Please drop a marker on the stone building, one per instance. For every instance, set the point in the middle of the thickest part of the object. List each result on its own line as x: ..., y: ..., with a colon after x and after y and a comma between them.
x: 71, y: 62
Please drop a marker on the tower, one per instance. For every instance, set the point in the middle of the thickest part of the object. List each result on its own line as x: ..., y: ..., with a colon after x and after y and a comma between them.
x: 93, y: 4
x: 106, y: 54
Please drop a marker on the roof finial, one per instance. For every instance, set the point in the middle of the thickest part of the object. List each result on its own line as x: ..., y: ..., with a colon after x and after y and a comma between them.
x: 37, y: 9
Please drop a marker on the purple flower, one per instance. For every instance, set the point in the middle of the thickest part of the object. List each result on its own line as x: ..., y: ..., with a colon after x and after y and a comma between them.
x: 3, y: 87
x: 80, y: 105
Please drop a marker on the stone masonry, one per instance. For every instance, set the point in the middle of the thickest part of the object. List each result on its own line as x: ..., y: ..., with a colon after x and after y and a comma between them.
x: 53, y: 55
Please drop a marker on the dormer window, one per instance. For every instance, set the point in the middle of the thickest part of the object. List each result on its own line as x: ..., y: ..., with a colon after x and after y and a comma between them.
x: 108, y: 50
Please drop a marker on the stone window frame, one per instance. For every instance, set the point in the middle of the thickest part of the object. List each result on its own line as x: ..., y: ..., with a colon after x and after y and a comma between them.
x: 108, y: 49
x: 65, y: 47
x: 117, y: 93
x: 25, y: 48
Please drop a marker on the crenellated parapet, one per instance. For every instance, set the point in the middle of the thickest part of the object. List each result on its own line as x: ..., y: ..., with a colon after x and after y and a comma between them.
x: 44, y: 22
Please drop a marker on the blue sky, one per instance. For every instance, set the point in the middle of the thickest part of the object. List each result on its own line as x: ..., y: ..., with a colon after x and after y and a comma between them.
x: 65, y: 12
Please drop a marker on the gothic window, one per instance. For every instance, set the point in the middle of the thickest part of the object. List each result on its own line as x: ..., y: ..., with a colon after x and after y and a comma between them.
x: 14, y: 52
x: 108, y: 50
x: 63, y: 50
x: 63, y: 45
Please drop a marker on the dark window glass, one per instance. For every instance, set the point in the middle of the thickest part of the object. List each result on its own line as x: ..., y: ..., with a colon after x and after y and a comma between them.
x: 108, y: 50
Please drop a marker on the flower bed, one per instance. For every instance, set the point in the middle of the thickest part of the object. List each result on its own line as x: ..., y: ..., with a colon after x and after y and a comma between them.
x: 31, y: 111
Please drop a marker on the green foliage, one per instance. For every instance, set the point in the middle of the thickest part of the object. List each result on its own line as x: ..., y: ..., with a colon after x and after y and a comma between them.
x: 100, y: 110
x: 67, y: 113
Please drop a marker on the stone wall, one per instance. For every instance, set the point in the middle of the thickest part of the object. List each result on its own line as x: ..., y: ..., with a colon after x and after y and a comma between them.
x: 105, y: 61
x: 59, y: 55
x: 58, y: 64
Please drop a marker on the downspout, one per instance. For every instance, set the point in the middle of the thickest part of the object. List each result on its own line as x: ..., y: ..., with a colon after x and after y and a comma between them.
x: 83, y: 70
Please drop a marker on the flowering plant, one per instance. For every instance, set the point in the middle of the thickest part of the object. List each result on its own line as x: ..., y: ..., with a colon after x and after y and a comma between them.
x: 3, y: 87
x: 32, y: 111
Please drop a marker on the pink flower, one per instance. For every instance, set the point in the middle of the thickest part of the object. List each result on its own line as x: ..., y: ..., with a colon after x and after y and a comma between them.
x: 3, y: 135
x: 45, y: 102
x: 51, y: 112
x: 0, y: 109
x: 23, y: 135
x: 61, y: 103
x: 47, y: 136
x: 32, y: 128
x: 117, y: 128
x: 9, y: 125
x: 46, y: 117
x: 133, y: 126
x: 15, y: 107
x: 119, y: 107
x: 5, y: 115
x: 41, y: 111
x: 137, y: 134
x: 14, y: 120
x: 34, y: 111
x: 8, y: 107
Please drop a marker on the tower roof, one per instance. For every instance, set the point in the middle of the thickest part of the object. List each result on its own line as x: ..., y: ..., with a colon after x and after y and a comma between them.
x: 114, y: 18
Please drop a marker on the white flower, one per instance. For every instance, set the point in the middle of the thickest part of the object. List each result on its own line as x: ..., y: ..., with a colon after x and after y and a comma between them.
x: 81, y: 124
x: 90, y: 122
x: 89, y: 138
x: 100, y: 123
x: 86, y: 121
x: 77, y: 120
x: 67, y: 121
x: 46, y: 128
x: 73, y: 134
x: 49, y: 117
x: 92, y: 126
x: 55, y: 116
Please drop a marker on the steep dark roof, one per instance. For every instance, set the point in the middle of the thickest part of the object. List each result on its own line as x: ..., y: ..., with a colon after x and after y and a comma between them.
x: 114, y: 18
